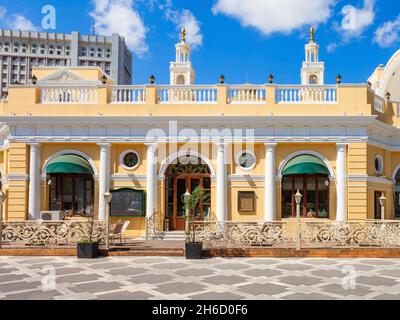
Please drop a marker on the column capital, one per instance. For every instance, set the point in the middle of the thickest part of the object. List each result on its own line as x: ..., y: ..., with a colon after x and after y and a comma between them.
x: 104, y: 145
x: 35, y: 145
x: 270, y: 145
x: 341, y: 146
x: 151, y: 145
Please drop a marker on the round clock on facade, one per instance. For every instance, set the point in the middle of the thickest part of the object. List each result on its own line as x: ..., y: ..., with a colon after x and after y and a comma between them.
x: 130, y: 159
x: 246, y: 160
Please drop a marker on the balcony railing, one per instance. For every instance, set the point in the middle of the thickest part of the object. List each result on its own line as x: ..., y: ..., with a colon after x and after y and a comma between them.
x: 72, y: 95
x: 198, y: 94
x: 246, y: 94
x: 187, y: 94
x: 306, y: 94
x: 128, y: 94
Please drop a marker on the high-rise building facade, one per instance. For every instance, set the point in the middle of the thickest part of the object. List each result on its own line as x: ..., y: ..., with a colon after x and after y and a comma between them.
x: 22, y: 50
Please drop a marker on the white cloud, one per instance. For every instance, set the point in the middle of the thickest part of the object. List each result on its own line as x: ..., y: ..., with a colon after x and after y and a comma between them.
x: 272, y: 16
x: 16, y: 21
x: 120, y: 16
x: 185, y: 19
x: 21, y: 23
x: 388, y: 34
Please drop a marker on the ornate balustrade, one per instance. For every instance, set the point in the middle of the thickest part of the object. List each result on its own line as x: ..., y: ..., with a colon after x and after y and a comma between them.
x: 187, y: 94
x: 128, y: 94
x: 51, y: 233
x: 154, y: 226
x: 306, y: 94
x: 246, y: 94
x: 71, y: 95
x: 241, y: 234
x: 283, y: 234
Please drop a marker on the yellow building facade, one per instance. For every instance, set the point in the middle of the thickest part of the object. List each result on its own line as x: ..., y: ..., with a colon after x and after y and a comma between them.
x: 72, y: 135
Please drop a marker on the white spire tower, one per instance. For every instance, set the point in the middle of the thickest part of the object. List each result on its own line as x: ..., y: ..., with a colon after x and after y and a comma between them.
x: 313, y: 70
x: 181, y: 70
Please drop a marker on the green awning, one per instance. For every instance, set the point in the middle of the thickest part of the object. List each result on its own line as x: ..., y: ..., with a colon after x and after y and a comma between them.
x: 305, y: 164
x: 69, y: 164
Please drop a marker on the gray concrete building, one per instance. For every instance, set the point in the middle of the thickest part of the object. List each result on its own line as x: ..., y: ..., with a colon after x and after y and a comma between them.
x: 22, y: 50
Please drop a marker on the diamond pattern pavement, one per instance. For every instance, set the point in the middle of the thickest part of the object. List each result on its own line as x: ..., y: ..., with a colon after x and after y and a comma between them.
x: 174, y: 278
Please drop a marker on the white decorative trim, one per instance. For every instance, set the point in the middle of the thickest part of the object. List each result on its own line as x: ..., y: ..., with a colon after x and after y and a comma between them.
x: 165, y: 164
x: 72, y: 151
x: 371, y: 179
x: 247, y: 177
x: 128, y: 177
x: 239, y: 154
x: 306, y: 152
x: 122, y: 156
x: 18, y: 177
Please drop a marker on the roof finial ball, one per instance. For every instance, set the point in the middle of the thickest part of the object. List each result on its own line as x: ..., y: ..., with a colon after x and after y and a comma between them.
x: 183, y: 34
x: 312, y: 35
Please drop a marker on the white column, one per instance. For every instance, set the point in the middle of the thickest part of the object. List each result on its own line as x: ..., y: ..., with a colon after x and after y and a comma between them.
x: 341, y: 182
x: 34, y: 181
x: 104, y: 177
x: 151, y: 194
x: 221, y: 182
x: 270, y: 193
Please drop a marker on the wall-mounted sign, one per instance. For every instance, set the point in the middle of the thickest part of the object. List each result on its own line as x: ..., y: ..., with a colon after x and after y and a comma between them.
x: 128, y: 202
x: 246, y: 201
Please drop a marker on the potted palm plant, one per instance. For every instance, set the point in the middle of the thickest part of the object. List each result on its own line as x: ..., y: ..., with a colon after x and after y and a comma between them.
x: 193, y: 248
x: 88, y: 247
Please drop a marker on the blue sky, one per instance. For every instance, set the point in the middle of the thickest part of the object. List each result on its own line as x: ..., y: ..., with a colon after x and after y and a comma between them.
x: 243, y: 39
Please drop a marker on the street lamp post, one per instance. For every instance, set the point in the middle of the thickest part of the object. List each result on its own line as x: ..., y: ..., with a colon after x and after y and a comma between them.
x: 186, y: 197
x: 107, y: 198
x: 2, y: 198
x: 297, y: 198
x: 382, y: 202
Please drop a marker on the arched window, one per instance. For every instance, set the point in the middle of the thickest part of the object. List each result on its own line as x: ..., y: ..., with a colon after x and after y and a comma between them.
x: 180, y: 80
x: 71, y: 184
x: 310, y: 176
x: 313, y: 79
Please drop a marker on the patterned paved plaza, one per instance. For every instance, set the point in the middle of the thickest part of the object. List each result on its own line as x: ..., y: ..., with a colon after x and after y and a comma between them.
x: 178, y: 279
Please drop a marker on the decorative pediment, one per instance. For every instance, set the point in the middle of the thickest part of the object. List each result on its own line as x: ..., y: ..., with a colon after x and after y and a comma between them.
x: 66, y: 77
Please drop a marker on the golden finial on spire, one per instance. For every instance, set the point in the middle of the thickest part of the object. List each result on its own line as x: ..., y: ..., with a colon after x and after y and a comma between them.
x: 312, y: 35
x: 183, y: 35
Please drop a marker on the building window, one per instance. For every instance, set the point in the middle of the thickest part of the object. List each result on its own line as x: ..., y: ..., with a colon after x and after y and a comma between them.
x: 379, y: 164
x: 246, y: 160
x: 315, y: 192
x: 310, y: 176
x: 129, y: 159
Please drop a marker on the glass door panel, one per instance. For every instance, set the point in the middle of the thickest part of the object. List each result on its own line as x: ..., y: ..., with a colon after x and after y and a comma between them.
x: 181, y: 187
x: 79, y: 195
x: 68, y: 193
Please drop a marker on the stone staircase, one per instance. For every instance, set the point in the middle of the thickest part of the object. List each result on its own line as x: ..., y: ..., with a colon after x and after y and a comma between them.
x: 173, y: 235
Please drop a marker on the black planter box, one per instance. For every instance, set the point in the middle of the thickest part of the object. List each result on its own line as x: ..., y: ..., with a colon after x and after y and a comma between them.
x: 194, y: 250
x: 88, y: 250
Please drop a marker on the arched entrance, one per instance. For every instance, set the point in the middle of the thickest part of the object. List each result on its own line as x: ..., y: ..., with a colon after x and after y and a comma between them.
x: 71, y: 185
x: 310, y: 176
x: 187, y: 174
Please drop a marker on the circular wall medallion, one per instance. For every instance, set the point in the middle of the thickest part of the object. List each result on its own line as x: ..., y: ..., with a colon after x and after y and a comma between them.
x: 379, y: 164
x: 246, y: 160
x: 129, y: 159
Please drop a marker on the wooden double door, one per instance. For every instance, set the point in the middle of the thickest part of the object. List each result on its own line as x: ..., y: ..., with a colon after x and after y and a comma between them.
x: 176, y: 187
